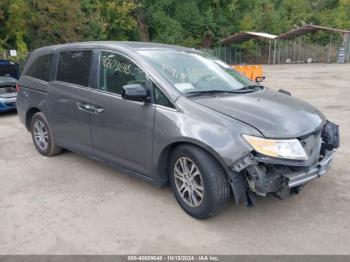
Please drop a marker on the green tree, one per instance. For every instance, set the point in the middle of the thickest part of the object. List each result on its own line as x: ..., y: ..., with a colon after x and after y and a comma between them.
x: 191, y: 22
x: 110, y: 19
x: 27, y: 24
x: 13, y: 24
x: 55, y: 21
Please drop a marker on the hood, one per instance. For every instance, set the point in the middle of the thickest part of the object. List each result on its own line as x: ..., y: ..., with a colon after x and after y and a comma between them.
x: 274, y: 114
x: 9, y: 68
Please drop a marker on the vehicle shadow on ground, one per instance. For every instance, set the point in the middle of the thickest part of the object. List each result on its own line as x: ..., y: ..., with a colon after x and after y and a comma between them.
x: 8, y: 113
x: 239, y: 212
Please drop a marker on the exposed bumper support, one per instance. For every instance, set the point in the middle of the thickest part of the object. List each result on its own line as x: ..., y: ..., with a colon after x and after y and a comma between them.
x: 300, y: 178
x: 281, y: 180
x: 282, y: 177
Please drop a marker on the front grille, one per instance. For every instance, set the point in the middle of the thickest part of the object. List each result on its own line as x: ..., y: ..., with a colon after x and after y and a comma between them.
x: 312, y: 146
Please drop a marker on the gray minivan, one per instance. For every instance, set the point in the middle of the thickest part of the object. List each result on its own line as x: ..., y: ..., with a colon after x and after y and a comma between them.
x: 173, y: 114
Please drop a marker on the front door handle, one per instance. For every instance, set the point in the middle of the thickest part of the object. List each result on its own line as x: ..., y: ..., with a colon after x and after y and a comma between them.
x: 99, y: 110
x: 85, y: 107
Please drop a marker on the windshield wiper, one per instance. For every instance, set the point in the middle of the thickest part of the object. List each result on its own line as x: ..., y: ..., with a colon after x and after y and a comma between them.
x: 252, y: 87
x: 204, y: 92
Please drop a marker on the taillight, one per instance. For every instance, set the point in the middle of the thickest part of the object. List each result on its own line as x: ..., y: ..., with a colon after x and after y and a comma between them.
x: 18, y: 88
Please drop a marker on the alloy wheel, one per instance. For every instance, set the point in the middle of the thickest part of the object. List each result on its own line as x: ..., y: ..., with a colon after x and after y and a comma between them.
x: 41, y: 135
x: 188, y: 181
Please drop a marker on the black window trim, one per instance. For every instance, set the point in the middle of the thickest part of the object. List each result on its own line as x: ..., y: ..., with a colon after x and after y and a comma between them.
x: 174, y: 108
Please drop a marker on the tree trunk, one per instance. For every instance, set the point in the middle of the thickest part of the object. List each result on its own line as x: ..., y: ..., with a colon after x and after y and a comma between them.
x: 142, y: 26
x: 207, y: 41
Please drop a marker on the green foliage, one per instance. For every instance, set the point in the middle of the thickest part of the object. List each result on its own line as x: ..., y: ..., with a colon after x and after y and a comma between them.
x: 109, y: 19
x: 28, y: 24
x: 54, y: 22
x: 13, y: 15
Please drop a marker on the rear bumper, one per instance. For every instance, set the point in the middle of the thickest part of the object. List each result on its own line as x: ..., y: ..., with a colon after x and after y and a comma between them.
x: 7, y: 106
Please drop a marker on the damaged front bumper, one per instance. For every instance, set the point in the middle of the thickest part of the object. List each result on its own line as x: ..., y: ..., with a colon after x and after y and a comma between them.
x: 255, y: 174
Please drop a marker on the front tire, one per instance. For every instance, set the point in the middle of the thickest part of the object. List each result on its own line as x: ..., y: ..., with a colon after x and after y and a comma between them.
x: 199, y: 183
x: 42, y: 136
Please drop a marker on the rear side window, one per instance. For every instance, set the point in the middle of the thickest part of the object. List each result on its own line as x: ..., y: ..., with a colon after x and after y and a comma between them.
x: 74, y: 67
x: 40, y: 68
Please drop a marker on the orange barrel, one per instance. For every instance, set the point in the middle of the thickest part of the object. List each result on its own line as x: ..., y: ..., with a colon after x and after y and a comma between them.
x: 239, y: 68
x: 259, y: 70
x: 248, y: 70
x: 256, y: 71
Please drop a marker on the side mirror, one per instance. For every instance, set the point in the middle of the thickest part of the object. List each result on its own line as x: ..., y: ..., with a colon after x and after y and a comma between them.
x: 135, y: 92
x: 259, y: 79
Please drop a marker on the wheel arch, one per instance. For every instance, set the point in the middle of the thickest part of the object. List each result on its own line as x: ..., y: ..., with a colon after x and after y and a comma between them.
x: 29, y: 115
x: 162, y: 164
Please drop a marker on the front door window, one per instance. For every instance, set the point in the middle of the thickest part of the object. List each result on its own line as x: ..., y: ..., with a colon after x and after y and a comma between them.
x: 116, y: 71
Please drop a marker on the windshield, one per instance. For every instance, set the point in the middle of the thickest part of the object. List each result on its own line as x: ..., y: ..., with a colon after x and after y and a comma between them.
x: 193, y: 72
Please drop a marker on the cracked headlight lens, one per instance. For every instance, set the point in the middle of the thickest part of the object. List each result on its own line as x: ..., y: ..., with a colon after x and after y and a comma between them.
x: 281, y: 148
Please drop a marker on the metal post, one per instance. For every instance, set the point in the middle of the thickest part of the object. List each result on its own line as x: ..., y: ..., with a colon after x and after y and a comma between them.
x: 225, y: 52
x: 277, y: 47
x: 268, y: 62
x: 300, y: 48
x: 294, y: 49
x: 229, y: 52
x: 279, y: 52
x: 283, y: 50
x: 291, y: 55
x: 347, y: 39
x: 329, y: 50
x: 303, y: 51
x: 297, y: 49
x: 287, y: 52
x: 349, y: 48
x: 274, y: 52
x: 240, y: 55
x: 235, y: 56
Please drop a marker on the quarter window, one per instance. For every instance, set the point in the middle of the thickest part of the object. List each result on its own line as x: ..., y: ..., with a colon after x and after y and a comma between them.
x: 74, y: 67
x: 40, y: 68
x: 117, y: 71
x: 160, y: 98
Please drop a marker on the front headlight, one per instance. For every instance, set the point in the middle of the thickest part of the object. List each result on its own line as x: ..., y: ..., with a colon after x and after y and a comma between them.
x: 281, y: 148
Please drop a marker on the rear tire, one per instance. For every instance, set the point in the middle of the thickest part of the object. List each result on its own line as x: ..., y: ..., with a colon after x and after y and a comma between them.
x: 196, y: 174
x: 42, y: 136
